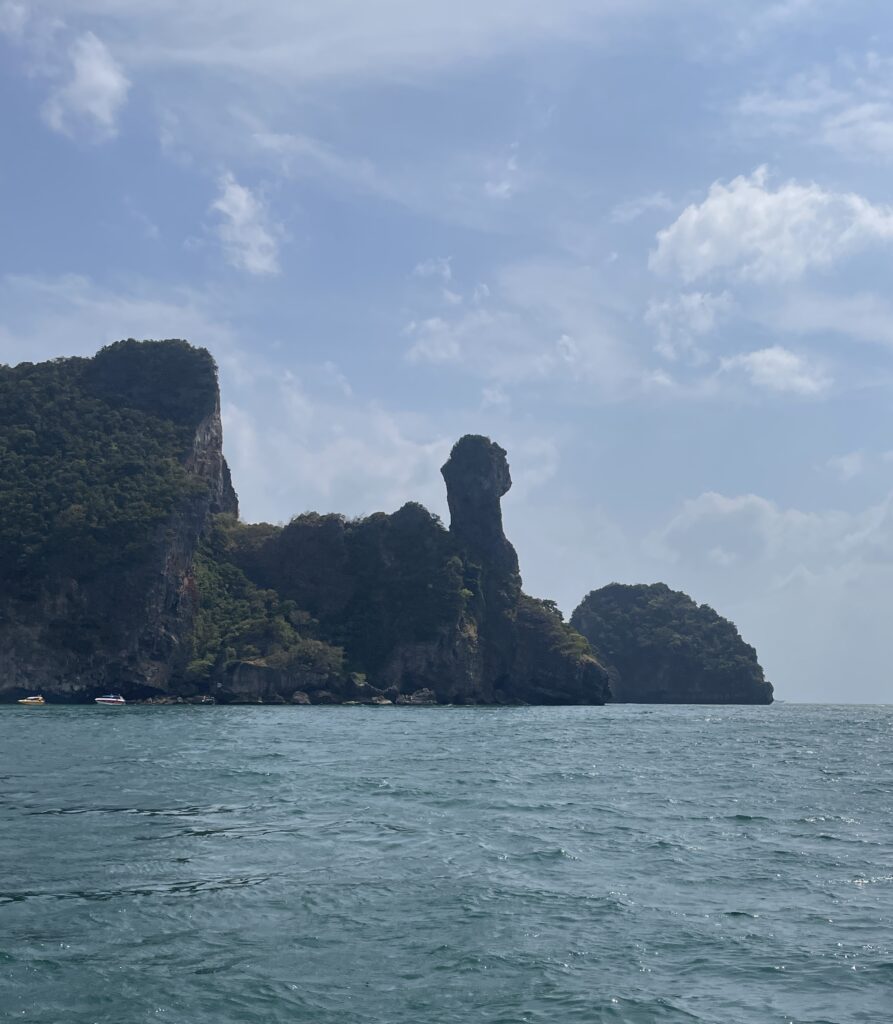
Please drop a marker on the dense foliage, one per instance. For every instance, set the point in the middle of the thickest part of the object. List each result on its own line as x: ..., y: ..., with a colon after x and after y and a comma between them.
x: 371, y: 583
x: 543, y: 617
x: 238, y: 621
x: 665, y: 646
x: 91, y: 457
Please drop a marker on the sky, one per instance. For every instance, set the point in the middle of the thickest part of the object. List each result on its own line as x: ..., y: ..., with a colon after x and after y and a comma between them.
x: 645, y: 247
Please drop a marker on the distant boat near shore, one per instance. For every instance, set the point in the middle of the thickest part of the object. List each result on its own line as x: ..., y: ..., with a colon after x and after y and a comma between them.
x: 110, y: 699
x: 36, y: 701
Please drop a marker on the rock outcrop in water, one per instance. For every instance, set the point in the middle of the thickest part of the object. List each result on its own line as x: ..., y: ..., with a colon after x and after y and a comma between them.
x: 124, y: 566
x: 661, y: 647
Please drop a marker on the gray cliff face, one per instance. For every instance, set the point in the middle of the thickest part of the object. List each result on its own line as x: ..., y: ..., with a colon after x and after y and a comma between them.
x: 477, y: 477
x: 142, y: 617
x: 157, y: 654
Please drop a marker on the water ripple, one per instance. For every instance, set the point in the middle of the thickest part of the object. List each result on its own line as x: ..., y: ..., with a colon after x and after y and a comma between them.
x: 626, y: 865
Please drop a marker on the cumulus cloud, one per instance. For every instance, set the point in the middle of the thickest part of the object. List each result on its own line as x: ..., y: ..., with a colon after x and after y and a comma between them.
x: 249, y: 239
x: 752, y: 231
x: 778, y: 369
x: 94, y: 93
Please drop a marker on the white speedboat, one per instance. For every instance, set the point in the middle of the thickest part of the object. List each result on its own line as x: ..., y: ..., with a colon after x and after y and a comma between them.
x: 36, y: 701
x: 110, y: 699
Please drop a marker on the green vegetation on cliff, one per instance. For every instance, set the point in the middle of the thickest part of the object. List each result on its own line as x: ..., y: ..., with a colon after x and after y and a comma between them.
x: 123, y: 564
x: 92, y: 457
x: 663, y: 647
x: 370, y: 583
x: 237, y: 621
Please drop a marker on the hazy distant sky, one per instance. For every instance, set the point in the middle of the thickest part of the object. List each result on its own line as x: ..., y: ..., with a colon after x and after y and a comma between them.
x: 650, y: 253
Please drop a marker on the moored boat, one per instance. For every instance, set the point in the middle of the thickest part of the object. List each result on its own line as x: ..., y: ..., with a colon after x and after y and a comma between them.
x: 110, y: 699
x: 34, y: 701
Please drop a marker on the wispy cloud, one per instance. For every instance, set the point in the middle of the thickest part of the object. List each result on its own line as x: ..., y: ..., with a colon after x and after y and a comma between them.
x: 849, y: 466
x: 249, y: 238
x: 632, y: 209
x: 780, y: 370
x: 846, y: 106
x: 13, y: 18
x: 90, y: 101
x: 684, y: 319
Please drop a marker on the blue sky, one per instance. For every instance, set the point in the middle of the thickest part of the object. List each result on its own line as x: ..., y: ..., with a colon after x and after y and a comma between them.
x: 647, y: 252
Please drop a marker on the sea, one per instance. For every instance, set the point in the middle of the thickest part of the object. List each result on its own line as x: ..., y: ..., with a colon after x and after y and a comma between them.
x: 357, y: 865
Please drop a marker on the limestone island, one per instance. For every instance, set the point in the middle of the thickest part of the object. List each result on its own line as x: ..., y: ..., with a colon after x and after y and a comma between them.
x: 124, y: 566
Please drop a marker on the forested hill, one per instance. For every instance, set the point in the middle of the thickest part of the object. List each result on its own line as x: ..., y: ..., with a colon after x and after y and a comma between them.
x: 109, y: 469
x: 662, y: 647
x: 123, y: 563
x: 93, y: 456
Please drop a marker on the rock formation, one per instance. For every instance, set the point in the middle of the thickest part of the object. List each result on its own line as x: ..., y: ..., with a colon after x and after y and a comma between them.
x: 123, y: 564
x: 417, y: 609
x: 661, y: 647
x: 119, y: 461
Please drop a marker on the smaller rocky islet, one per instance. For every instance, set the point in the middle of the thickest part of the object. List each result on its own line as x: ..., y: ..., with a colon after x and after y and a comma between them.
x: 661, y: 647
x: 124, y: 564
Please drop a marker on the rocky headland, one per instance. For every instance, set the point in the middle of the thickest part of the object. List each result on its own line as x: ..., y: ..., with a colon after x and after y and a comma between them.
x: 124, y: 565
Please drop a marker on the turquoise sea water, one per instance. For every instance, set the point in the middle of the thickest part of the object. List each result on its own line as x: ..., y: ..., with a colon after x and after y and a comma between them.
x: 358, y: 865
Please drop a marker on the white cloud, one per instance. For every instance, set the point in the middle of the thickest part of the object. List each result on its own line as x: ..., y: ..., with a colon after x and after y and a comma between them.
x: 752, y: 231
x: 504, y: 177
x: 862, y: 316
x: 632, y: 209
x: 754, y: 531
x: 539, y: 322
x: 436, y: 266
x: 343, y: 454
x: 301, y: 155
x: 249, y: 239
x: 93, y: 96
x: 780, y: 370
x: 808, y: 588
x: 846, y: 107
x: 805, y: 94
x: 283, y: 40
x: 862, y: 131
x: 849, y: 466
x: 682, y: 318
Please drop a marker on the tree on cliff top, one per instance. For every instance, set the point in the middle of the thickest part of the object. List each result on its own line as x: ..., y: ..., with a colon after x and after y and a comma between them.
x: 92, y: 454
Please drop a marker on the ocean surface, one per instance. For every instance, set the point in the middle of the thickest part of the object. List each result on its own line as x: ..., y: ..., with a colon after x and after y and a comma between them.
x: 348, y: 865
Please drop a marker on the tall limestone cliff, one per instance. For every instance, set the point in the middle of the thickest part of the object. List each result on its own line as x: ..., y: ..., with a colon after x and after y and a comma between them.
x: 110, y: 469
x: 123, y: 565
x: 661, y: 647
